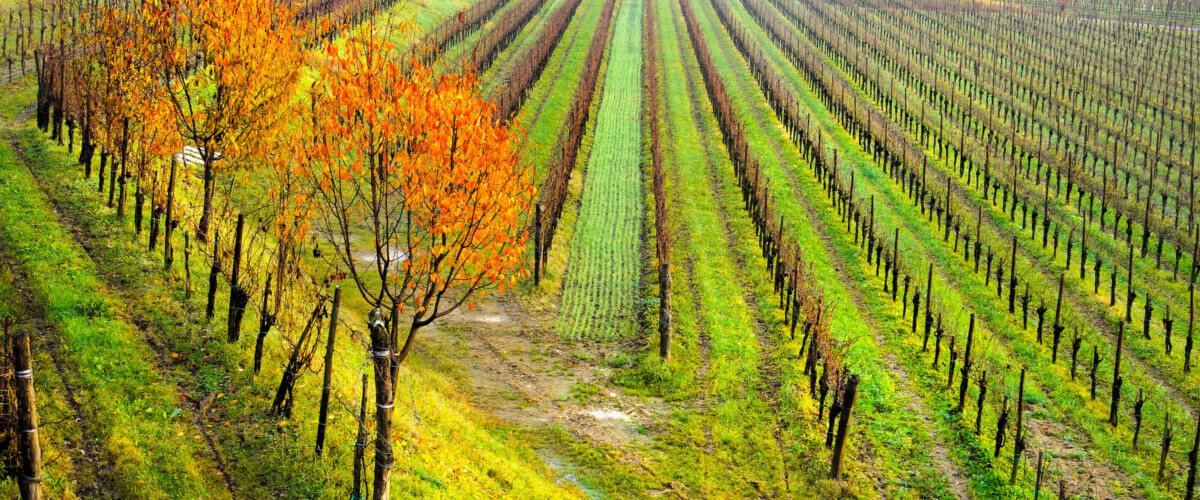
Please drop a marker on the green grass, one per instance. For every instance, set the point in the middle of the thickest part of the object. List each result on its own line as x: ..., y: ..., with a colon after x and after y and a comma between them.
x: 153, y: 454
x: 57, y: 427
x: 600, y: 288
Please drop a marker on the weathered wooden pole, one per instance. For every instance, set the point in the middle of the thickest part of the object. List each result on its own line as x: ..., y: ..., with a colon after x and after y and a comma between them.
x: 237, y: 297
x: 839, y: 448
x: 1117, y: 381
x: 1037, y: 485
x: 360, y: 445
x: 265, y: 321
x: 1058, y: 327
x: 928, y: 305
x: 30, y: 482
x: 1012, y: 278
x: 895, y: 262
x: 327, y: 385
x: 213, y: 271
x: 1130, y: 295
x: 1019, y: 439
x: 982, y: 382
x: 1187, y: 346
x: 168, y: 246
x: 1191, y: 479
x: 381, y: 352
x: 1168, y: 435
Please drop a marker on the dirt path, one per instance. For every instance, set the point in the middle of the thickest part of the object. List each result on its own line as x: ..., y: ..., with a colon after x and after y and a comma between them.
x: 85, y: 236
x: 524, y: 375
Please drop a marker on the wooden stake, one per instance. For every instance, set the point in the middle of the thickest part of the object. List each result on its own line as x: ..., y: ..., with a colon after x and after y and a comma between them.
x: 839, y: 447
x: 30, y: 482
x: 326, y: 386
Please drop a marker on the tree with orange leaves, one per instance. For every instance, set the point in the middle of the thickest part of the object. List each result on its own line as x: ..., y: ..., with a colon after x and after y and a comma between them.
x: 114, y: 76
x: 420, y: 166
x: 228, y: 72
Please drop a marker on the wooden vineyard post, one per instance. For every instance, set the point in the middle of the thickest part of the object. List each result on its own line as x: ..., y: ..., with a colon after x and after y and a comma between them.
x: 1137, y: 418
x: 30, y: 450
x: 1117, y: 381
x: 1076, y: 342
x: 928, y: 306
x: 213, y: 271
x: 839, y: 446
x: 238, y: 298
x: 1012, y: 278
x: 1058, y: 327
x: 265, y: 321
x: 187, y: 269
x: 326, y: 386
x: 1037, y: 485
x: 1018, y: 440
x: 664, y: 310
x: 1129, y: 296
x: 895, y: 262
x: 360, y: 445
x: 1187, y: 346
x: 537, y: 244
x: 1191, y: 479
x: 168, y: 247
x: 381, y: 352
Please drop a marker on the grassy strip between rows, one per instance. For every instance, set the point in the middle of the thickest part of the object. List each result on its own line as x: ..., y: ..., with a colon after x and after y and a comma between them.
x: 57, y: 428
x: 603, y: 275
x: 152, y: 450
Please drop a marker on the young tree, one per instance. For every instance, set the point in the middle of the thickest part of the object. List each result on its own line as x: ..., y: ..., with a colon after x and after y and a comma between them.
x: 420, y: 167
x: 227, y: 71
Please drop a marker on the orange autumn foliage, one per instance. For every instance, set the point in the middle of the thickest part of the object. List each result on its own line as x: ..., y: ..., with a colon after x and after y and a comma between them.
x: 227, y: 70
x: 418, y: 162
